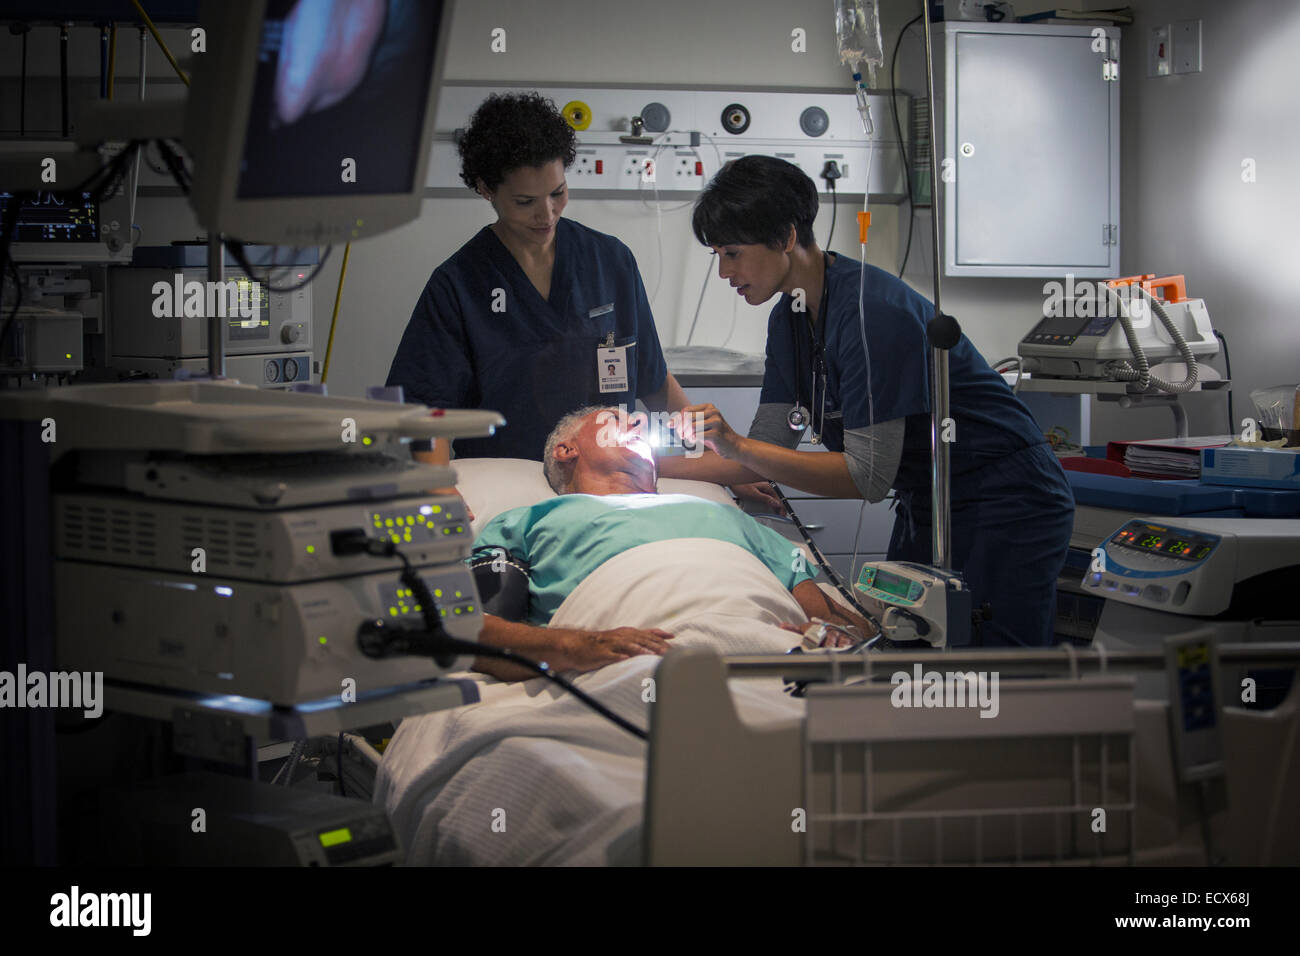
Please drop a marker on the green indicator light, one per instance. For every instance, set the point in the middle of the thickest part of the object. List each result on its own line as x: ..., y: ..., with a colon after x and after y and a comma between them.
x: 458, y: 594
x: 67, y: 355
x: 437, y: 509
x: 470, y: 609
x: 457, y: 610
x: 367, y: 440
x: 437, y: 592
x: 335, y: 837
x: 388, y: 522
x: 460, y: 529
x: 418, y: 608
x: 323, y: 640
x: 311, y: 549
x: 393, y: 611
x: 442, y: 611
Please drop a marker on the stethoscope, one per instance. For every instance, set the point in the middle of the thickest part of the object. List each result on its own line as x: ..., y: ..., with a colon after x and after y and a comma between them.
x: 799, y: 417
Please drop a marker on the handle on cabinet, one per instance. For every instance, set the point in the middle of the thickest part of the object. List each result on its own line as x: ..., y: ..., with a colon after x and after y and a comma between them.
x: 810, y: 528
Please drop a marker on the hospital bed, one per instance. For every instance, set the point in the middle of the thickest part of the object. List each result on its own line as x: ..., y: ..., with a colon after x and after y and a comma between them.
x: 1074, y: 770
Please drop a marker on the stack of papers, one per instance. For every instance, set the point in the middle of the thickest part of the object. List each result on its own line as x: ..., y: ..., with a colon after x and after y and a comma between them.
x: 1164, y: 457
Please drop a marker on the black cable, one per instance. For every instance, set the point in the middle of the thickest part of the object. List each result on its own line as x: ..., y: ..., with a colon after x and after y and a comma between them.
x: 7, y: 265
x: 160, y: 170
x: 103, y: 62
x: 63, y: 74
x: 236, y: 249
x: 22, y: 83
x: 817, y: 554
x: 444, y: 648
x: 1227, y: 368
x: 830, y: 184
x: 902, y: 150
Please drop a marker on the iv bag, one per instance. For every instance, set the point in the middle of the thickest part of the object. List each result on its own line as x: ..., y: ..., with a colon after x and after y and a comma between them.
x: 857, y: 35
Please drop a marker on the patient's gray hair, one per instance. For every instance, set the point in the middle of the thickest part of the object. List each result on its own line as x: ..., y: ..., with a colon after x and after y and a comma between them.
x: 564, y: 429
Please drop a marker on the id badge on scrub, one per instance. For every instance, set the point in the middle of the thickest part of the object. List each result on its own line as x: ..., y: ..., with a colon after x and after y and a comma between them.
x: 611, y: 368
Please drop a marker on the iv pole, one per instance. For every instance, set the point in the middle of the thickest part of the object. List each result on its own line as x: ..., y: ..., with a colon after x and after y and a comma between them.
x: 943, y: 332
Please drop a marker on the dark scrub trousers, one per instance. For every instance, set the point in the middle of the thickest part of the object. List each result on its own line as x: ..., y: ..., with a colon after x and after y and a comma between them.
x: 482, y: 336
x: 1012, y: 508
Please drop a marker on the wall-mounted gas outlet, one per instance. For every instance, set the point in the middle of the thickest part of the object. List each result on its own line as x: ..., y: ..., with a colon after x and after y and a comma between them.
x: 1160, y: 53
x: 1187, y: 46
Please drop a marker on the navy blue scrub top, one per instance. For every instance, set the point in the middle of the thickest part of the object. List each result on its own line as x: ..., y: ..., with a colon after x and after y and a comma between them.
x: 990, y: 422
x: 535, y: 360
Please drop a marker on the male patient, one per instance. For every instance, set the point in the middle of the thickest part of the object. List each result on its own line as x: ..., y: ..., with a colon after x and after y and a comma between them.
x: 604, y: 476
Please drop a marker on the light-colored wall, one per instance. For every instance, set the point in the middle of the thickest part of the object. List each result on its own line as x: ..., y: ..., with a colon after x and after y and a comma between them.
x: 684, y: 43
x: 1184, y: 207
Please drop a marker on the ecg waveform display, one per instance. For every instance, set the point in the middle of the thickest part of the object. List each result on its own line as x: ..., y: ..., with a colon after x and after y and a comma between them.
x: 54, y: 218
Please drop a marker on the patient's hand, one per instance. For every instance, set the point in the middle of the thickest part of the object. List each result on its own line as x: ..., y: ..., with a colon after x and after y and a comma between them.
x: 761, y: 493
x: 588, y: 650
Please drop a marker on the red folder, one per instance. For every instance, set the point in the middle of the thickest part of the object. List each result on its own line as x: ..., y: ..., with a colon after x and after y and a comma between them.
x: 1164, y: 458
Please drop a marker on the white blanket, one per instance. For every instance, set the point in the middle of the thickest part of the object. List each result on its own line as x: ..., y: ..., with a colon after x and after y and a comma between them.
x: 531, y: 775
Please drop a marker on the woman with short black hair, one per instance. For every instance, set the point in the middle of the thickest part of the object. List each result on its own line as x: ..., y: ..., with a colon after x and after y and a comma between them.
x: 1012, y: 509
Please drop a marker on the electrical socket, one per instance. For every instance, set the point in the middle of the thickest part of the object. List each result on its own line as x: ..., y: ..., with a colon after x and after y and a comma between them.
x: 1187, y: 46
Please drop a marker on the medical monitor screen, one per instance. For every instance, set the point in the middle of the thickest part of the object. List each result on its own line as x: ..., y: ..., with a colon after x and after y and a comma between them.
x: 339, y: 95
x: 54, y: 217
x: 1061, y: 325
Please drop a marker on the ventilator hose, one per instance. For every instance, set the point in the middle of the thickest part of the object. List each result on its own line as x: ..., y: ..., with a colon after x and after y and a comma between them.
x: 817, y: 555
x: 1142, y: 374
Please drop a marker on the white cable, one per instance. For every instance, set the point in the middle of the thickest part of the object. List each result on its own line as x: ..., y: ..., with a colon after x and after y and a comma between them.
x: 708, y: 274
x: 862, y: 324
x: 735, y: 311
x: 659, y: 228
x: 1012, y: 360
x: 135, y: 172
x: 853, y: 566
x: 1074, y: 658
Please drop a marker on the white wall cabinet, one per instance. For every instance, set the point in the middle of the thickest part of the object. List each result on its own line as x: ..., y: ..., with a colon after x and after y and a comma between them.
x: 1029, y: 157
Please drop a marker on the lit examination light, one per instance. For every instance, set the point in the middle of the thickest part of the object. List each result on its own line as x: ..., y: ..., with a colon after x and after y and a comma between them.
x: 636, y: 443
x: 180, y: 584
x: 224, y: 592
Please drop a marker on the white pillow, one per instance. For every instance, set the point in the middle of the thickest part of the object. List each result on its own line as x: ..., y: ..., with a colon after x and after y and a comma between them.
x: 491, y: 486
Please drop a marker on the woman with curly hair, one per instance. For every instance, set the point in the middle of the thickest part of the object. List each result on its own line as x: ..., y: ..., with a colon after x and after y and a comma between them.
x: 521, y: 320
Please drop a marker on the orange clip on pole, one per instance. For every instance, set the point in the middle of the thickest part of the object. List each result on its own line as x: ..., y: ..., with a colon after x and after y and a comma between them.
x: 864, y: 223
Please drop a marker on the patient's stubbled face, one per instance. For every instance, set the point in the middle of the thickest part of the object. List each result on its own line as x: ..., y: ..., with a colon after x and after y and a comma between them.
x: 605, y: 468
